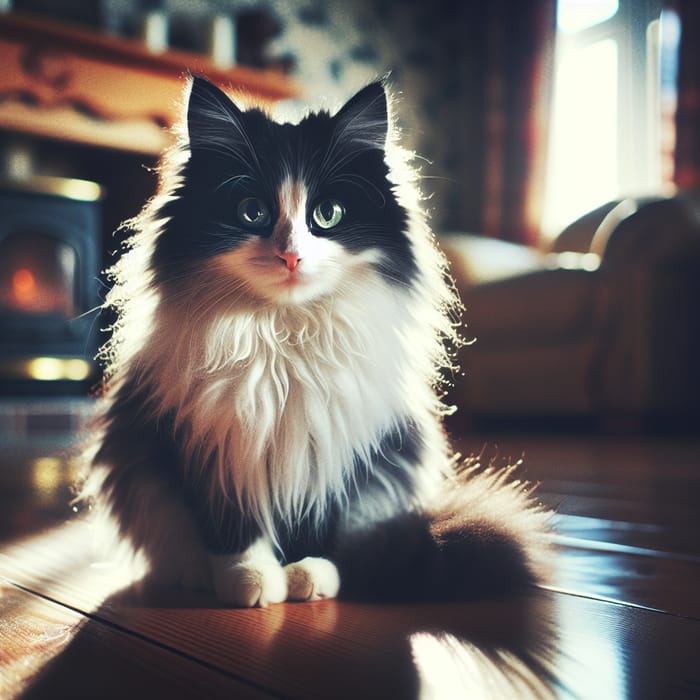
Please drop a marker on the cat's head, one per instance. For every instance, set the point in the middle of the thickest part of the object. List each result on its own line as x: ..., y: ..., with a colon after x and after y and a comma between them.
x: 285, y: 213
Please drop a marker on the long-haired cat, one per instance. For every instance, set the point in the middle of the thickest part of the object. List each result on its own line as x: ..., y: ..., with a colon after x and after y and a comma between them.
x: 272, y: 406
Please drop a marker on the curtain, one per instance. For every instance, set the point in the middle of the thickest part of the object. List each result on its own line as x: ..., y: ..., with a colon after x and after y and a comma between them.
x: 486, y: 86
x: 518, y: 73
x: 687, y: 154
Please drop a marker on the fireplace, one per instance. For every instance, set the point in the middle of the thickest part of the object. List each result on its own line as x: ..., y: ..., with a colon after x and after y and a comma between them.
x: 49, y: 266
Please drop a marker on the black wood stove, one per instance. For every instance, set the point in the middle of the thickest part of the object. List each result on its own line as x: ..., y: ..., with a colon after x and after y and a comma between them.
x: 49, y: 267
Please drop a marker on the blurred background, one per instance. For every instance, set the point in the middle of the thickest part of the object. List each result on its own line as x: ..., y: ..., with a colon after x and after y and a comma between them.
x: 558, y: 141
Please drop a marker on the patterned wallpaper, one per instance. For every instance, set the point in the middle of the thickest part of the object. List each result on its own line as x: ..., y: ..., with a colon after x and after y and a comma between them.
x: 432, y: 53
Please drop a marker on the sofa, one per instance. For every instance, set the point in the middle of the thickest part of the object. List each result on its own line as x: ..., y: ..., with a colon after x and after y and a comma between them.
x: 601, y: 324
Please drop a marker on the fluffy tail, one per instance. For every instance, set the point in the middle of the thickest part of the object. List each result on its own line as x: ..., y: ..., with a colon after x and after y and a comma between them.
x: 484, y: 535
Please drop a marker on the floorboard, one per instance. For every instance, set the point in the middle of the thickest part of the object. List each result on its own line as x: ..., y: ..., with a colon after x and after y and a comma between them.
x: 52, y: 651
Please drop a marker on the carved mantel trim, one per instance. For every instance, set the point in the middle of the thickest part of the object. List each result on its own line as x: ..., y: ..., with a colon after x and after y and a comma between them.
x: 69, y: 83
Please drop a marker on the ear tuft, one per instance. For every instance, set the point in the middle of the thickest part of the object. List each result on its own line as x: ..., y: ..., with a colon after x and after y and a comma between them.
x: 364, y: 119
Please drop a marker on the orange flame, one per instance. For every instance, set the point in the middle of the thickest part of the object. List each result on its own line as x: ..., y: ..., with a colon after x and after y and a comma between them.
x: 24, y: 286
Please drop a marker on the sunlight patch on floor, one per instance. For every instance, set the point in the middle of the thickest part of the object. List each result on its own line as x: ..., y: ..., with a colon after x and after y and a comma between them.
x: 34, y: 628
x: 451, y: 667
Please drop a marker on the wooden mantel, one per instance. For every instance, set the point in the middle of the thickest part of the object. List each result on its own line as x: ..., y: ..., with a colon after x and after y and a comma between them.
x: 69, y: 83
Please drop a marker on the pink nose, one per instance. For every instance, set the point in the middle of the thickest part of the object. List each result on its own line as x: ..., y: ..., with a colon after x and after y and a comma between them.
x: 291, y: 260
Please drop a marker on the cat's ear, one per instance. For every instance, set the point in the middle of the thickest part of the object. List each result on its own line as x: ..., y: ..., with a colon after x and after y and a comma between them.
x: 212, y: 117
x: 364, y: 119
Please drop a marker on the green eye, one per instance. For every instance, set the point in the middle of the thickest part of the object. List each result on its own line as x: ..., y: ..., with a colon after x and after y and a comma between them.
x: 253, y: 212
x: 328, y: 213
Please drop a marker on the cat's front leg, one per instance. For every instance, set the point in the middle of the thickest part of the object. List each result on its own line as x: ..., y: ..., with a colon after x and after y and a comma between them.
x: 253, y: 578
x: 312, y: 578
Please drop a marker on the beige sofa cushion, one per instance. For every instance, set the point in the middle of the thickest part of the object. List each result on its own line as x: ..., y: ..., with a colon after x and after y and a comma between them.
x: 513, y: 295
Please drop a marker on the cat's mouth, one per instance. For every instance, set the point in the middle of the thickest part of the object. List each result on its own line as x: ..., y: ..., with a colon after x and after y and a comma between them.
x: 290, y: 278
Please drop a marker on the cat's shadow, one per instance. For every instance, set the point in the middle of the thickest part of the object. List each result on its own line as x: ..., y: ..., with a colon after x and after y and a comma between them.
x: 495, y: 648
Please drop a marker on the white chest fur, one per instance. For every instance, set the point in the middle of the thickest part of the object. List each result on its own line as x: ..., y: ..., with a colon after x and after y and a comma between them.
x: 284, y: 399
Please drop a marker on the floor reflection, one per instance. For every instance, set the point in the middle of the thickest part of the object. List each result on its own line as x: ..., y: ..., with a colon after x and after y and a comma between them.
x: 565, y: 654
x: 592, y: 654
x: 450, y: 667
x: 36, y: 490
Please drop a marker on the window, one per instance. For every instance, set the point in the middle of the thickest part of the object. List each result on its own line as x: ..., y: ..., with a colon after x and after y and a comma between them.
x: 614, y: 88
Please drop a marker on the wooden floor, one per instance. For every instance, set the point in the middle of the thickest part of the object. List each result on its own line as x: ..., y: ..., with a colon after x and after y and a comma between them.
x: 620, y: 620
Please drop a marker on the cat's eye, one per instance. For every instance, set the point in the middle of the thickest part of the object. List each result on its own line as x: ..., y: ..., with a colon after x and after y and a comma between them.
x: 253, y: 212
x: 328, y: 213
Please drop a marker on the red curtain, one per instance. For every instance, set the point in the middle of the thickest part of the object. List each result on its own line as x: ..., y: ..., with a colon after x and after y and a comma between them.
x: 687, y: 158
x: 518, y: 74
x: 489, y: 90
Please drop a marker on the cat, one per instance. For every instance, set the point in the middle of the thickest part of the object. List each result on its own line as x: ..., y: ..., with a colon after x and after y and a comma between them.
x: 272, y: 412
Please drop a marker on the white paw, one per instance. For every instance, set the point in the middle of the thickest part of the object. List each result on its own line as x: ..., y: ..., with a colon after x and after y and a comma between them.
x: 312, y: 578
x: 251, y: 584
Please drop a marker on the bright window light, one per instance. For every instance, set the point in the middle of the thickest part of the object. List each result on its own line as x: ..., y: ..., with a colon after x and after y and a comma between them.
x: 575, y: 15
x: 582, y: 168
x: 611, y: 121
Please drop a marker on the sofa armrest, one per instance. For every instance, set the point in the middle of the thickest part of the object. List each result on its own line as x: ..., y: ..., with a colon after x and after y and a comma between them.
x: 577, y: 236
x: 644, y: 231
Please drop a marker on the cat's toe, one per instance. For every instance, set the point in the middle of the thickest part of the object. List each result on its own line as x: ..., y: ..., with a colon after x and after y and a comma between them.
x: 252, y: 584
x: 312, y: 578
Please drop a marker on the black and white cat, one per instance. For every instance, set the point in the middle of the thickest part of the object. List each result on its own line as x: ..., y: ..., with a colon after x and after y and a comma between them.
x: 272, y: 408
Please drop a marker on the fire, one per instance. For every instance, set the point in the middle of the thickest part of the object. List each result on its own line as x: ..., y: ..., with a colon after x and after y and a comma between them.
x: 35, y: 290
x: 24, y: 286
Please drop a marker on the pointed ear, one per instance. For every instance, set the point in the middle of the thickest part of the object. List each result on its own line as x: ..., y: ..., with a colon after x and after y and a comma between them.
x: 364, y: 119
x: 212, y: 117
